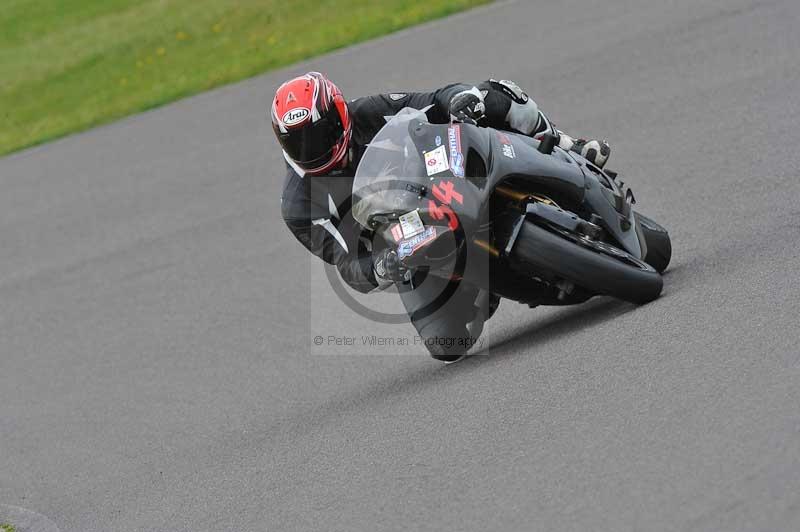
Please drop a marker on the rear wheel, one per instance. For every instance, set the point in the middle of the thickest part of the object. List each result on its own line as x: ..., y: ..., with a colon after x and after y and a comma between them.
x: 596, y: 266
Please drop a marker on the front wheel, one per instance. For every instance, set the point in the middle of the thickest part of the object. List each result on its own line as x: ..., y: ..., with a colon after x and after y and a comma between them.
x: 590, y: 264
x: 656, y: 238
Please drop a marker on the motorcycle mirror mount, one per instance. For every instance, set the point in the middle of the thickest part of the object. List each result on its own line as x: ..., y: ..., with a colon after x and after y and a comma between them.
x: 548, y: 143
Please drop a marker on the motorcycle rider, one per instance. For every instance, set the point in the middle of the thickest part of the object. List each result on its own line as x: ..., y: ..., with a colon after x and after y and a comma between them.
x: 323, y: 138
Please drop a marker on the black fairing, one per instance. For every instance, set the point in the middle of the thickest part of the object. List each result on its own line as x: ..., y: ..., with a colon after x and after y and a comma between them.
x: 562, y: 175
x: 483, y: 158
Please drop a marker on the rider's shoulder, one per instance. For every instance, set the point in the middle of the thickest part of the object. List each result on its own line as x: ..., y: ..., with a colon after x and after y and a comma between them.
x: 358, y: 105
x: 294, y: 193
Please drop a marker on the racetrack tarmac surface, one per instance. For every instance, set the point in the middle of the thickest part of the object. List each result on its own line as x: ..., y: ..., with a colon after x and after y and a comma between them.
x: 157, y: 364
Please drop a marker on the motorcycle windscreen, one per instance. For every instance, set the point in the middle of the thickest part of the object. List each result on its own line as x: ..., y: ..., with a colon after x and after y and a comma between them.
x: 392, y: 172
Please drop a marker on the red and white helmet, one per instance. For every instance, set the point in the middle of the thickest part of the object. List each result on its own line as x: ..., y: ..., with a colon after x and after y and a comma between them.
x: 311, y: 121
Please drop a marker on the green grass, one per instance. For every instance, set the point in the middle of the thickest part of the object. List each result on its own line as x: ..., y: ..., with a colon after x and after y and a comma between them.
x: 66, y: 65
x: 5, y: 527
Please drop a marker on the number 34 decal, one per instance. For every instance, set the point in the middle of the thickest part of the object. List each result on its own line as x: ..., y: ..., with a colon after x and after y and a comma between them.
x: 445, y: 192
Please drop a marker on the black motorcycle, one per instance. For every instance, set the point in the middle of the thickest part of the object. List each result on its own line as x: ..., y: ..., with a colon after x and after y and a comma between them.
x: 517, y: 217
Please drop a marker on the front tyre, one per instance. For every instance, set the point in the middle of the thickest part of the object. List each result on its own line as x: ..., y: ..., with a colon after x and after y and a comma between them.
x: 593, y: 265
x: 656, y: 238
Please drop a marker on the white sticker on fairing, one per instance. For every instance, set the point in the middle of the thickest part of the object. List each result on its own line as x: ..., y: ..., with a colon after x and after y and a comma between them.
x: 411, y: 224
x: 436, y: 161
x: 396, y: 96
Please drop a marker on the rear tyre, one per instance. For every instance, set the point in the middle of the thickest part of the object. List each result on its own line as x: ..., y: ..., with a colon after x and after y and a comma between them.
x: 595, y: 266
x: 656, y: 238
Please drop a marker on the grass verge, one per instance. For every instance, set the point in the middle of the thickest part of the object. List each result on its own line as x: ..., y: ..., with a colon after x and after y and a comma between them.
x: 67, y: 65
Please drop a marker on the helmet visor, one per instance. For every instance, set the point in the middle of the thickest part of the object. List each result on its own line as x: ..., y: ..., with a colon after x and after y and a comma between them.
x: 312, y: 145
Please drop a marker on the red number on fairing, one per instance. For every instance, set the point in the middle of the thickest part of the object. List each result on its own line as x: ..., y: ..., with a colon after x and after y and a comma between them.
x: 446, y: 193
x: 439, y: 212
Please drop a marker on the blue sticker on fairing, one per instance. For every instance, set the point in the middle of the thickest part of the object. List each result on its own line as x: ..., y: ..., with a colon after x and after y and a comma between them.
x: 408, y: 247
x: 456, y: 157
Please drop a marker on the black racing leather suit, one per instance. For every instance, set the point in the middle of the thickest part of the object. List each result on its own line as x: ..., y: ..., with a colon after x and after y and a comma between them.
x: 317, y: 208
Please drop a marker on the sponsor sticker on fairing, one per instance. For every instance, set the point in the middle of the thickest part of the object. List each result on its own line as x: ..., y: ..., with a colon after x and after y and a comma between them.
x: 397, y: 233
x: 407, y: 248
x: 456, y: 157
x: 436, y: 161
x: 508, y: 148
x: 411, y: 224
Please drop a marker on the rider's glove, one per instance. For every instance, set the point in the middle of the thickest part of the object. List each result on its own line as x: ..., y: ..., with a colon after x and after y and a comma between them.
x: 388, y: 267
x: 467, y: 106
